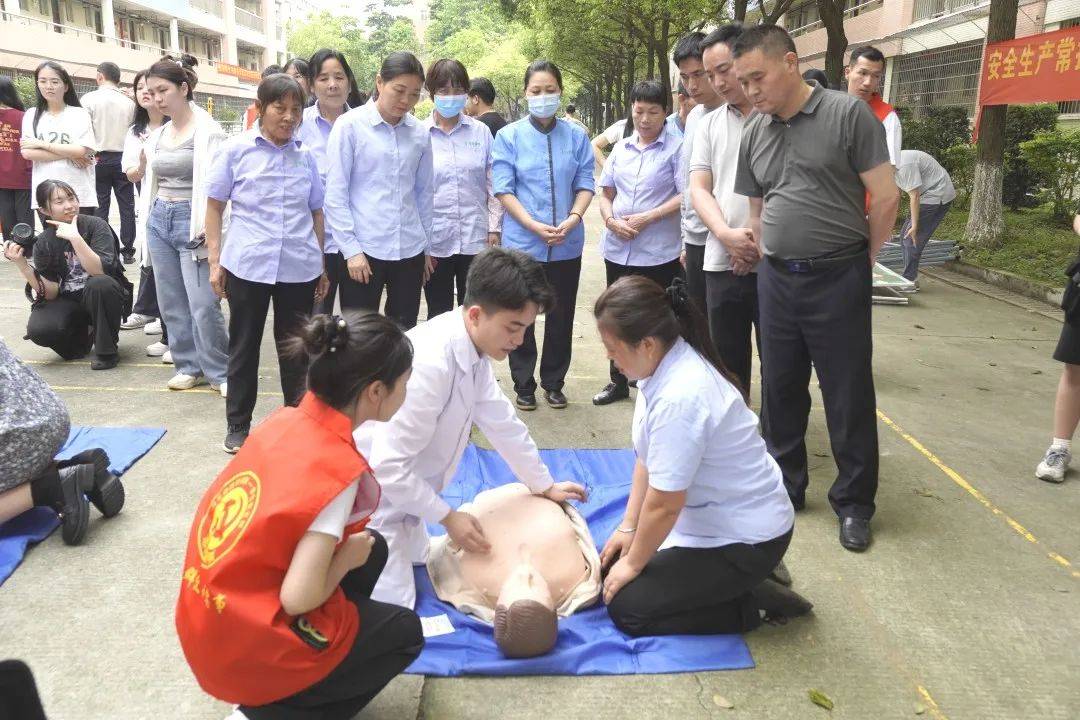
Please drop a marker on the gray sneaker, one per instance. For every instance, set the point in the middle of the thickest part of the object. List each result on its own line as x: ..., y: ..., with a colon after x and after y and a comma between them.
x: 1054, y: 465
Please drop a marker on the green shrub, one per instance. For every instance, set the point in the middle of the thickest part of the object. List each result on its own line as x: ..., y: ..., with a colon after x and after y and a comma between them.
x: 24, y: 85
x: 1055, y: 157
x: 934, y: 129
x: 959, y: 162
x: 1021, y: 182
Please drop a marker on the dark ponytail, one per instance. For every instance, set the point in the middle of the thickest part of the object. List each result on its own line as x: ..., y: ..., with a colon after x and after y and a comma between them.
x: 177, y: 72
x: 346, y: 354
x: 635, y: 307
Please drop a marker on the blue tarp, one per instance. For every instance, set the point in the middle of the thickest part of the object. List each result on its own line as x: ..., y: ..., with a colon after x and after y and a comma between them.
x: 124, y: 446
x: 588, y: 642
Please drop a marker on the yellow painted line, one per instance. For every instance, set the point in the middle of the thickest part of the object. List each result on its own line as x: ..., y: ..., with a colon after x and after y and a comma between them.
x: 931, y: 706
x: 975, y: 493
x: 202, y: 390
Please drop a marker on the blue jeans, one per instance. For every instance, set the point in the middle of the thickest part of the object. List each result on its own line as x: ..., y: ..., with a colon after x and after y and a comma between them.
x: 198, y: 340
x: 930, y: 216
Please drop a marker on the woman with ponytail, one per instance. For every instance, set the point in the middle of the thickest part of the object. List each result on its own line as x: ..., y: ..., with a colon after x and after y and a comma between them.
x: 708, y: 521
x: 275, y: 610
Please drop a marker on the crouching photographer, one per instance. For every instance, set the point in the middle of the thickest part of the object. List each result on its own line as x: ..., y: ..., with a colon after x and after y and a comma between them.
x: 77, y: 286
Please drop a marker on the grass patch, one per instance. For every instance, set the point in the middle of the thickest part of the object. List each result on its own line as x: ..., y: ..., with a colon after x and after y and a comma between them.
x: 1035, y: 245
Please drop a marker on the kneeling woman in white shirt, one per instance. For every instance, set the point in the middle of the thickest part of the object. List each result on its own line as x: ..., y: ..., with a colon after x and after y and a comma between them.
x: 708, y: 520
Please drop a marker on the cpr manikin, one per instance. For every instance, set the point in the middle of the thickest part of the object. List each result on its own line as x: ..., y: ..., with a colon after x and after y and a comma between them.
x: 542, y: 565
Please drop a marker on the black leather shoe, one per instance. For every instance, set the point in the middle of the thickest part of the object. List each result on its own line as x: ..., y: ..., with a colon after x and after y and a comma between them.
x: 780, y: 602
x: 74, y: 508
x: 781, y: 574
x: 107, y: 495
x: 104, y: 362
x: 855, y: 533
x: 555, y: 399
x: 525, y: 402
x: 611, y: 393
x: 128, y: 254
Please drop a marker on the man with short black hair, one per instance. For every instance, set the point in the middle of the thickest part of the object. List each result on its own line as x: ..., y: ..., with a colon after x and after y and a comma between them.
x: 481, y: 99
x: 864, y: 75
x: 808, y: 183
x: 112, y: 112
x: 692, y: 76
x: 571, y: 116
x: 453, y: 386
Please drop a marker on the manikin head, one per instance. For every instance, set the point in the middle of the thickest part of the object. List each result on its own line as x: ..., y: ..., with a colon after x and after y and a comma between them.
x: 526, y: 624
x: 506, y: 289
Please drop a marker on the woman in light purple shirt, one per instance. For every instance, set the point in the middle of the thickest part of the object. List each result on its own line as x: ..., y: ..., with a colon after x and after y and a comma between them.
x: 641, y: 191
x: 273, y: 250
x: 380, y: 194
x: 467, y: 217
x: 332, y: 82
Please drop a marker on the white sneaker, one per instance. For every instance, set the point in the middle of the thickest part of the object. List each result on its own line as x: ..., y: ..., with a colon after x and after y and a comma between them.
x: 181, y: 381
x: 153, y: 327
x: 166, y: 357
x: 1054, y: 465
x: 223, y: 388
x: 135, y: 320
x: 157, y: 349
x: 237, y: 715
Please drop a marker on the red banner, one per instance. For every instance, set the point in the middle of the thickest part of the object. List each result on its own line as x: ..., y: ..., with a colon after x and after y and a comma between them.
x: 238, y: 72
x: 1033, y: 69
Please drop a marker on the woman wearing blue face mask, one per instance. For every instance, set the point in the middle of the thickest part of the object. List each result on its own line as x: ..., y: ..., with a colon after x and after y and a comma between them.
x: 542, y: 172
x: 467, y: 217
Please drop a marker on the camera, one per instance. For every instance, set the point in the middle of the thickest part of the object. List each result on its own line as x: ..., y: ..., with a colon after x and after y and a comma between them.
x: 23, y: 236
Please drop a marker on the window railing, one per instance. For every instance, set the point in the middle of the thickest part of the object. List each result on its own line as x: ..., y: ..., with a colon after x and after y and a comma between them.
x: 250, y: 20
x: 853, y: 11
x: 934, y: 8
x: 213, y: 7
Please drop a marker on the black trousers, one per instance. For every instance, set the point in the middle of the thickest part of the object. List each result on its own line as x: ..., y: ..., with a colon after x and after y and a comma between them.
x: 823, y: 318
x: 697, y: 591
x: 390, y: 638
x: 402, y: 280
x: 146, y: 300
x: 14, y: 209
x: 249, y: 303
x: 69, y: 324
x: 558, y: 333
x: 660, y: 274
x: 733, y: 319
x: 335, y: 268
x: 440, y: 289
x: 111, y: 178
x: 695, y: 275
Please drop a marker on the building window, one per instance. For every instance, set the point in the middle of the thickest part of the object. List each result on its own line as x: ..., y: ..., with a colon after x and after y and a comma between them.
x: 944, y: 76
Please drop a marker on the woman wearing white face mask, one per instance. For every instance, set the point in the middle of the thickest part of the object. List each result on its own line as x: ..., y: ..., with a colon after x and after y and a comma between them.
x: 467, y: 217
x: 542, y: 172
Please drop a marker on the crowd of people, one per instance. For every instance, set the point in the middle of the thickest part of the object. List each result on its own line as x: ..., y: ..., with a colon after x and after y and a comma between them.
x: 751, y: 213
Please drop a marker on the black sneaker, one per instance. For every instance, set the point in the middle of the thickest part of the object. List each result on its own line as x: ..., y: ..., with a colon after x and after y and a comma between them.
x: 555, y: 399
x: 235, y: 437
x: 74, y: 508
x: 526, y: 402
x: 129, y: 255
x: 611, y: 393
x: 107, y: 495
x: 104, y: 362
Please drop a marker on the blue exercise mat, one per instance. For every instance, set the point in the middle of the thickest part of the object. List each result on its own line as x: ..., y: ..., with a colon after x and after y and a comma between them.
x: 589, y: 643
x: 124, y: 446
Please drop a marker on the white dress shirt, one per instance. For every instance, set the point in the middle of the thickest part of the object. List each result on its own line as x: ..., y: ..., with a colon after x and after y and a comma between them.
x: 716, y: 149
x: 112, y: 113
x: 452, y: 387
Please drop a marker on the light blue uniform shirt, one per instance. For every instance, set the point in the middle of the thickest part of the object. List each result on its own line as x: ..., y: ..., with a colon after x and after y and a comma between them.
x: 380, y: 187
x: 544, y: 171
x: 672, y: 124
x: 272, y: 191
x: 644, y: 179
x: 313, y: 134
x: 694, y: 432
x: 465, y: 209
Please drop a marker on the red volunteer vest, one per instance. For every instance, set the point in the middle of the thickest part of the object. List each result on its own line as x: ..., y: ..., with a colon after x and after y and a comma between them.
x: 240, y: 644
x: 881, y: 110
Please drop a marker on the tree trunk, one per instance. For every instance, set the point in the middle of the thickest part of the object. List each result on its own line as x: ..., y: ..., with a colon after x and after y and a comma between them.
x: 832, y: 17
x: 986, y: 224
x: 739, y: 10
x: 663, y: 69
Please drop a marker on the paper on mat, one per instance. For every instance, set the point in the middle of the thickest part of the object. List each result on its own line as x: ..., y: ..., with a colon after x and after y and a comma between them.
x: 436, y: 625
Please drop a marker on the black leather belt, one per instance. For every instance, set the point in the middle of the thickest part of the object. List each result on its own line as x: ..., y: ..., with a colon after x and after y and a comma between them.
x: 809, y: 265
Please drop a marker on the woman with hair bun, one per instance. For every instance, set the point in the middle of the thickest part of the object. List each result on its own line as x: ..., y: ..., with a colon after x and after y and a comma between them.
x: 708, y: 520
x: 278, y: 560
x: 175, y: 164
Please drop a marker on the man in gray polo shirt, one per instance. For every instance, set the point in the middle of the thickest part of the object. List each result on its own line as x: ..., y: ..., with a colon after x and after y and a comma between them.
x: 931, y: 192
x: 807, y: 162
x: 687, y: 57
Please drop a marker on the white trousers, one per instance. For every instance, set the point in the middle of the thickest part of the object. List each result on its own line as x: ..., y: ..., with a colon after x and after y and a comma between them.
x: 407, y: 539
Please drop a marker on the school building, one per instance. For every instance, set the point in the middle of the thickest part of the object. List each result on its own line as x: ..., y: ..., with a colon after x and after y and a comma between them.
x: 934, y: 47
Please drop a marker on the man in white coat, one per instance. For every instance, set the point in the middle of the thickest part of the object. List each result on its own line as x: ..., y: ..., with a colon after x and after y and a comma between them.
x: 453, y: 387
